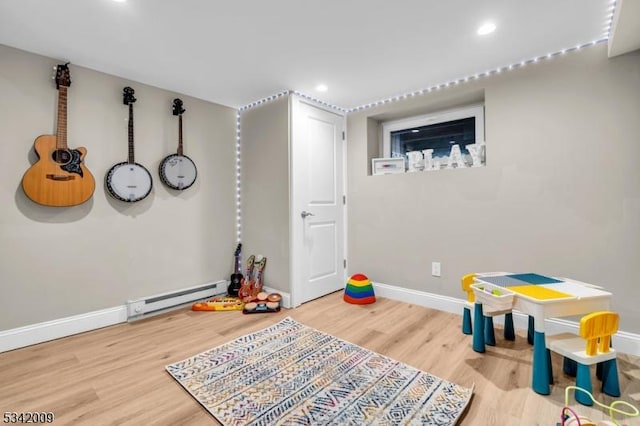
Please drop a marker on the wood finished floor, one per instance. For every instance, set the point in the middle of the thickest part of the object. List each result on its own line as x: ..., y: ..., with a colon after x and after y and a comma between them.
x: 116, y: 376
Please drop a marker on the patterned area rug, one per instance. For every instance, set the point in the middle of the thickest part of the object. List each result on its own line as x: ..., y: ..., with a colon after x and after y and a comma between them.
x: 295, y: 375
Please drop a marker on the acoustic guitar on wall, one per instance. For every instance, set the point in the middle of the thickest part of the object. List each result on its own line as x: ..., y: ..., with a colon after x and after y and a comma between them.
x: 59, y: 178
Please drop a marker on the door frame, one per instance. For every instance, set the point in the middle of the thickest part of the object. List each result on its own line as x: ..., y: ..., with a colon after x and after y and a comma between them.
x: 295, y: 233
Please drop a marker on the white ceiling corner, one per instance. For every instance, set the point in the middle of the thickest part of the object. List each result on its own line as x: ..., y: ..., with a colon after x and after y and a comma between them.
x: 625, y: 32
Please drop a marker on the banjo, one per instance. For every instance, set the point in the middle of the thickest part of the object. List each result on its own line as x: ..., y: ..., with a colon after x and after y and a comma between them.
x: 178, y: 171
x: 129, y: 181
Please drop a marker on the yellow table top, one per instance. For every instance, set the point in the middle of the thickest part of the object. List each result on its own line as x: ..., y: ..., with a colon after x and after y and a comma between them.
x: 539, y: 292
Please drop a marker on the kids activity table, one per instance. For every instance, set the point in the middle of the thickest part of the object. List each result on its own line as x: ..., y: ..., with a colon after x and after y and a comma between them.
x: 541, y: 297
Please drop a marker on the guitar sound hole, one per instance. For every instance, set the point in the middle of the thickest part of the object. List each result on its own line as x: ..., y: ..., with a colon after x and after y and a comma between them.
x: 61, y: 156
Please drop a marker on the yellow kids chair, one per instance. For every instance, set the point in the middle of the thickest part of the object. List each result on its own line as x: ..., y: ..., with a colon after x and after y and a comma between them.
x: 593, y: 346
x: 488, y: 313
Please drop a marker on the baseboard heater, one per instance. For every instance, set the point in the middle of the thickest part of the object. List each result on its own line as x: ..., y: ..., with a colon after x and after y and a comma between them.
x: 153, y: 305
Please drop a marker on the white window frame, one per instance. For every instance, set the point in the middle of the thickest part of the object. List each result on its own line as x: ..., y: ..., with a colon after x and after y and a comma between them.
x: 476, y: 110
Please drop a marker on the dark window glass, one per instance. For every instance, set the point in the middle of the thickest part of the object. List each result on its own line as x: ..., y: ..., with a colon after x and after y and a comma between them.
x: 440, y: 137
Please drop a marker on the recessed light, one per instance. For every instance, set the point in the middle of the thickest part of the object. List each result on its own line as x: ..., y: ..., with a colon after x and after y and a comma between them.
x: 487, y: 28
x: 415, y: 131
x: 120, y: 1
x: 321, y: 88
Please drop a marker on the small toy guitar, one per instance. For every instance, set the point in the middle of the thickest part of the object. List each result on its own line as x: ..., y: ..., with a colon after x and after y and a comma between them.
x: 245, y: 288
x: 253, y: 285
x: 235, y: 281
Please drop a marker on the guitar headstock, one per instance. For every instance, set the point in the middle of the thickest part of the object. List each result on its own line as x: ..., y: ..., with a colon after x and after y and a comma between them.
x: 177, y: 107
x: 127, y: 95
x: 63, y: 76
x: 238, y: 249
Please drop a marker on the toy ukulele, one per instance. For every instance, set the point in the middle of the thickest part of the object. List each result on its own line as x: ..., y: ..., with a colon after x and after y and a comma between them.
x: 235, y: 280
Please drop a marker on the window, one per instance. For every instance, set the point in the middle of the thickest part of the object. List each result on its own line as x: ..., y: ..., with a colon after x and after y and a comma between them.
x: 438, y: 133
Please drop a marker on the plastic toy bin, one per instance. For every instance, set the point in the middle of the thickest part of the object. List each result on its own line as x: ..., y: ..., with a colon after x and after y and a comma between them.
x: 494, y: 296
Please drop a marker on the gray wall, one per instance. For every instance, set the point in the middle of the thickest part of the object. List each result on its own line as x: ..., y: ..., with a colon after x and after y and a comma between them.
x: 58, y: 262
x: 560, y: 193
x: 265, y: 189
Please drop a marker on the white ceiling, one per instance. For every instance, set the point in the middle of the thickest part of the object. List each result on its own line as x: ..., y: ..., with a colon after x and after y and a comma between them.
x: 237, y: 51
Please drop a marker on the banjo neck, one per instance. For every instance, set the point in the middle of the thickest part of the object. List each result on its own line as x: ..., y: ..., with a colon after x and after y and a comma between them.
x: 131, y: 152
x: 129, y: 99
x: 179, y: 110
x: 180, y: 135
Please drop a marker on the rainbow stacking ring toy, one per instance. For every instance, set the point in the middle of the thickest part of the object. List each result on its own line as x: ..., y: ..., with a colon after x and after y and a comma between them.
x: 359, y: 290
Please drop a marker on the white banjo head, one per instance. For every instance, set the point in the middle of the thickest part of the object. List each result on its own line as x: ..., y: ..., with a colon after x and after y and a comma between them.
x: 129, y: 182
x: 178, y: 171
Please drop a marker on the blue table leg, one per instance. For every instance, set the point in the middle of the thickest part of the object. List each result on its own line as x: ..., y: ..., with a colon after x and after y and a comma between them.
x: 467, y: 328
x: 570, y: 367
x: 478, y: 328
x: 509, y: 331
x: 489, y: 333
x: 583, y: 380
x: 610, y: 382
x: 541, y: 372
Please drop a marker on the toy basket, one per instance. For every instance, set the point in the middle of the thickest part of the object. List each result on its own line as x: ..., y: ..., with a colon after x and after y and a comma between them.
x: 493, y: 296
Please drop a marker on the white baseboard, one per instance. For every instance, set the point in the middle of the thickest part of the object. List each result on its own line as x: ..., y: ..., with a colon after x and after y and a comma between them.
x: 624, y: 342
x: 63, y: 327
x: 50, y: 330
x: 42, y: 332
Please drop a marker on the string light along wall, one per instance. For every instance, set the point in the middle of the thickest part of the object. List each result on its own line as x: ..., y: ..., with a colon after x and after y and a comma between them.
x: 239, y: 155
x: 611, y: 8
x: 238, y: 183
x: 239, y: 145
x: 473, y: 77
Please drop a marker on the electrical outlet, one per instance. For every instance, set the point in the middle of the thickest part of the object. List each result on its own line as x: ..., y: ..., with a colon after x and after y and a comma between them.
x: 435, y: 269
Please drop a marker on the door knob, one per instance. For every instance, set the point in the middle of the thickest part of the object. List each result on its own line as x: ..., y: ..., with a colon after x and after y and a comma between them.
x: 305, y: 214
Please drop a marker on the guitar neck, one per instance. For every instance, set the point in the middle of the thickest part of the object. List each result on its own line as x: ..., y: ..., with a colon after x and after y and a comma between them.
x: 180, y: 135
x: 61, y: 132
x: 131, y: 156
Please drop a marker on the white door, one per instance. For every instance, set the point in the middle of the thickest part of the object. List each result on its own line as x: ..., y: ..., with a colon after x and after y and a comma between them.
x: 317, y: 216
